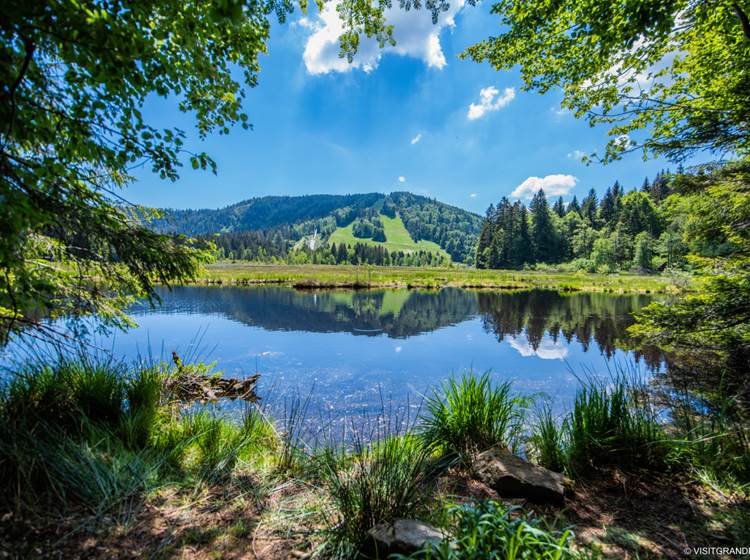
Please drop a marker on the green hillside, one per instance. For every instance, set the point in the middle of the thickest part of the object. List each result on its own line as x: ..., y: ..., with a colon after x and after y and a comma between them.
x: 274, y: 227
x: 397, y: 238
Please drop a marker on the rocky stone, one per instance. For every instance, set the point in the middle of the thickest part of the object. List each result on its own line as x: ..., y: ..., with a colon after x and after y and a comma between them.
x: 512, y: 477
x: 402, y: 536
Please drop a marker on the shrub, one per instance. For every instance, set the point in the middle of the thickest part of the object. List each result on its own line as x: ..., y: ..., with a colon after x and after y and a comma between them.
x: 471, y: 415
x: 490, y: 531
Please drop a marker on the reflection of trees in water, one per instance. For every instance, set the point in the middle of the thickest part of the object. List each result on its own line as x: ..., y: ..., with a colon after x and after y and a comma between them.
x: 397, y: 313
x: 601, y: 319
x: 586, y: 318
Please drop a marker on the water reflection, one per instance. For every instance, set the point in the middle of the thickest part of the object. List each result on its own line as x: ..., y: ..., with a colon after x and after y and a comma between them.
x: 539, y: 323
x: 357, y: 348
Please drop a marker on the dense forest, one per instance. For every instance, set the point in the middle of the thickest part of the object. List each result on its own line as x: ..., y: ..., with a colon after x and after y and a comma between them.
x: 640, y: 230
x: 274, y: 228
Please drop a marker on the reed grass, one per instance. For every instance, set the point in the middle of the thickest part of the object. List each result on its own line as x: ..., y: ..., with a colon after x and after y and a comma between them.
x: 470, y: 414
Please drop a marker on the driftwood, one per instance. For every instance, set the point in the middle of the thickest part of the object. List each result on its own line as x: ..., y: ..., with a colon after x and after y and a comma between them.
x: 187, y: 386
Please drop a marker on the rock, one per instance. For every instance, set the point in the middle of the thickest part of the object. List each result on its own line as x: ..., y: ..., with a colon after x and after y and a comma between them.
x: 512, y: 477
x: 403, y: 536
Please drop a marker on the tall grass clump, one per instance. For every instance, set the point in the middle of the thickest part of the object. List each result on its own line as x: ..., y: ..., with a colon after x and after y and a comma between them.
x: 60, y: 444
x: 488, y: 529
x: 548, y: 441
x: 615, y: 425
x: 715, y: 438
x: 62, y: 393
x: 470, y: 414
x: 91, y: 433
x: 612, y: 423
x: 371, y: 483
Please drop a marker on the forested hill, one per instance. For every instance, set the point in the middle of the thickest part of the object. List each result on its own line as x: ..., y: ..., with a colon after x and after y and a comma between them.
x: 266, y: 212
x: 276, y: 223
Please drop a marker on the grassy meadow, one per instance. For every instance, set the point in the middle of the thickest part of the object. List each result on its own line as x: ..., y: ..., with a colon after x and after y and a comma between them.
x: 397, y: 238
x: 324, y: 276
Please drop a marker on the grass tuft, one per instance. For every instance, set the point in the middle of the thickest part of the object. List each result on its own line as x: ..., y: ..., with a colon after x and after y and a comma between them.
x: 471, y: 415
x: 371, y: 483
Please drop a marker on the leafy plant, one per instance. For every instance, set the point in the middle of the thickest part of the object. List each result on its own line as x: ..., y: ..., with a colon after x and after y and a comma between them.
x: 490, y: 531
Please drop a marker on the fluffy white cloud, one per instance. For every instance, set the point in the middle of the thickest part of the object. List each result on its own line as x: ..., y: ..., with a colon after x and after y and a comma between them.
x: 402, y: 179
x: 416, y: 139
x: 490, y: 100
x: 415, y: 35
x: 547, y: 349
x: 553, y: 185
x: 472, y: 195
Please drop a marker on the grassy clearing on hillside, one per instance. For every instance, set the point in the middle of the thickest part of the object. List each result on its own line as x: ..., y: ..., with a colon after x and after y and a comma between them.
x: 396, y: 235
x: 331, y: 276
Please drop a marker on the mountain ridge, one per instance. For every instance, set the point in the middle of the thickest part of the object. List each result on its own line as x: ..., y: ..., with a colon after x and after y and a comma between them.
x: 454, y: 229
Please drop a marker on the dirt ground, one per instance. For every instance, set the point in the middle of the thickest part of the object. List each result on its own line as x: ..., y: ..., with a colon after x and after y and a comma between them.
x: 626, y: 515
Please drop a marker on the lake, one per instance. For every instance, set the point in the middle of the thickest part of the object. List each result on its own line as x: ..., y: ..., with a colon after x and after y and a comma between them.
x: 350, y: 350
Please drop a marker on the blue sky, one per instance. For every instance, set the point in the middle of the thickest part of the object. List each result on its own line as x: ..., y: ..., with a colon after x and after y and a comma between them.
x: 395, y: 120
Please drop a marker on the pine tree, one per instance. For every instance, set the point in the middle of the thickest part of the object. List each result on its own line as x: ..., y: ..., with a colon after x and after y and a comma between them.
x: 574, y: 206
x: 589, y: 207
x: 559, y: 207
x: 543, y: 232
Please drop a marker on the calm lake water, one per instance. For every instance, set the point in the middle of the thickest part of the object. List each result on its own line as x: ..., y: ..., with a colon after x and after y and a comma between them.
x: 352, y: 349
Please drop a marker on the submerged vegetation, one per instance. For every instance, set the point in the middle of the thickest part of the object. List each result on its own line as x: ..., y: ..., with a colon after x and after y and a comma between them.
x: 85, y: 437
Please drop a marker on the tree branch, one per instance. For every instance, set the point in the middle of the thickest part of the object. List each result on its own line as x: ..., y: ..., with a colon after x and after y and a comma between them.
x: 29, y: 53
x: 744, y: 22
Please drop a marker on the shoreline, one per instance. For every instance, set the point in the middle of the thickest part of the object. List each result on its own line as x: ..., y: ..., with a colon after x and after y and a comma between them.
x: 354, y: 277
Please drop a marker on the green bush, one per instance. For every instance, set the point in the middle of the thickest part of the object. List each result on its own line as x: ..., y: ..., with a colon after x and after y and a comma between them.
x: 490, y: 531
x: 471, y: 415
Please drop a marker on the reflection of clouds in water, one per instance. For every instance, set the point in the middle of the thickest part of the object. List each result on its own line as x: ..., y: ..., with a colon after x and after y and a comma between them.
x: 548, y: 349
x: 397, y: 349
x: 268, y: 354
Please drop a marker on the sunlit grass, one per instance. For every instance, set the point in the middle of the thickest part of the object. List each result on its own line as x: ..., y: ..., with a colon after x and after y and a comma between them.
x: 227, y: 272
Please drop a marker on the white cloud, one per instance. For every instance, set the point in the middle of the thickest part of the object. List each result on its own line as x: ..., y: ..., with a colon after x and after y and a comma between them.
x: 415, y: 35
x: 472, y: 195
x: 546, y: 350
x: 490, y: 100
x: 305, y: 23
x: 577, y: 154
x: 416, y: 139
x: 560, y: 112
x: 553, y: 185
x: 402, y: 179
x: 623, y: 141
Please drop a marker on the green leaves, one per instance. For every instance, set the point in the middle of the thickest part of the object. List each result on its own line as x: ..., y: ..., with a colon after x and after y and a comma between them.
x: 670, y: 73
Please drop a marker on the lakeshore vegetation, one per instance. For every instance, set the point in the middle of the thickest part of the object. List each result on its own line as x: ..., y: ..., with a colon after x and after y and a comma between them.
x: 100, y: 458
x: 331, y: 276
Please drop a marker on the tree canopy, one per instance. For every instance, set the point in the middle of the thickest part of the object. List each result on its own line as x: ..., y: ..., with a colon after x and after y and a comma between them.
x: 669, y: 77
